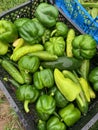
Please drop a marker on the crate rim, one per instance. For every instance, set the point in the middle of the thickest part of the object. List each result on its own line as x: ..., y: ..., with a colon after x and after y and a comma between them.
x: 15, y: 8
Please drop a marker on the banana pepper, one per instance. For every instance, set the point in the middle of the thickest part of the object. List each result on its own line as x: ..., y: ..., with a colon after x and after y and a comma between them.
x: 84, y: 96
x: 67, y: 87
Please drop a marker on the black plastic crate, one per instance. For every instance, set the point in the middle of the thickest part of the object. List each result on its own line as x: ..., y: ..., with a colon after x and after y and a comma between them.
x: 29, y: 119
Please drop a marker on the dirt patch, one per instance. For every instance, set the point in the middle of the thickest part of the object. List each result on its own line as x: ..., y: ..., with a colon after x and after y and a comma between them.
x: 8, y: 118
x: 4, y: 111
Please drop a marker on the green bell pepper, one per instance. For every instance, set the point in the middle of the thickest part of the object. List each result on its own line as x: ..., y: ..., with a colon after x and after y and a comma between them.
x: 55, y: 45
x: 29, y: 63
x: 47, y: 14
x: 3, y: 47
x: 45, y: 106
x: 31, y: 31
x: 84, y: 46
x: 19, y: 22
x: 55, y: 124
x: 93, y: 78
x: 43, y: 78
x: 61, y: 29
x: 70, y: 114
x: 27, y: 94
x: 41, y: 125
x: 61, y: 101
x: 8, y: 31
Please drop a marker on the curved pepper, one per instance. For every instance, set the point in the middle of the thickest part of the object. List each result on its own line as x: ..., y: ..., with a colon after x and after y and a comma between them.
x: 31, y: 31
x: 8, y: 31
x: 23, y: 50
x: 55, y: 45
x: 67, y: 87
x: 81, y: 99
x: 55, y: 124
x: 45, y: 106
x: 27, y: 94
x: 47, y: 14
x: 84, y: 47
x: 70, y: 114
x: 44, y: 55
x: 93, y: 78
x: 43, y: 78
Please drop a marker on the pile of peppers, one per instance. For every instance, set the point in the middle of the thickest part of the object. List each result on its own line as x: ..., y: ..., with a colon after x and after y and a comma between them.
x: 49, y: 66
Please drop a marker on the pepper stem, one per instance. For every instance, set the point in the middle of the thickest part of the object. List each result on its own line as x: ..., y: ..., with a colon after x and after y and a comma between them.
x: 26, y: 102
x: 53, y: 32
x: 41, y: 68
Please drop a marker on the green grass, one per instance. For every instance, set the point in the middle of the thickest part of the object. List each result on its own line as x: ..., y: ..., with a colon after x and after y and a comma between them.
x: 8, y: 4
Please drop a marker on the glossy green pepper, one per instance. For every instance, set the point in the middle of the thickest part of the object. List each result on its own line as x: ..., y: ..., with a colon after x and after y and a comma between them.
x: 70, y: 114
x: 45, y: 106
x: 19, y: 22
x: 55, y: 124
x: 29, y: 63
x: 8, y: 31
x: 93, y: 78
x: 55, y: 45
x: 41, y: 125
x: 84, y: 46
x: 27, y: 94
x: 47, y: 14
x: 3, y: 47
x: 61, y: 29
x: 31, y: 31
x: 61, y: 101
x: 43, y: 78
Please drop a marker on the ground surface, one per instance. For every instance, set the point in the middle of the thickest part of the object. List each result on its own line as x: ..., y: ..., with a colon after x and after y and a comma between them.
x: 8, y: 117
